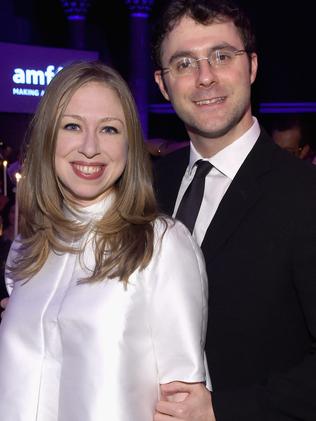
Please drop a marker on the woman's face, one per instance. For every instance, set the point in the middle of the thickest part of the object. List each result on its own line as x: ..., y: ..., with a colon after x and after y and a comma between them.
x: 92, y: 144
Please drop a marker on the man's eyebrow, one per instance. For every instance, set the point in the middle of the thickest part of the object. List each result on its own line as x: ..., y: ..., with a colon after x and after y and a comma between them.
x: 191, y: 53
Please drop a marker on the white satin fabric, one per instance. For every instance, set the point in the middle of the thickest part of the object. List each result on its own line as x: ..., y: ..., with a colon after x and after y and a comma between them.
x: 98, y: 351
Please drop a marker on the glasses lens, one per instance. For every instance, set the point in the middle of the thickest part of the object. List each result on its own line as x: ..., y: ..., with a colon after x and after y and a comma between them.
x: 222, y: 57
x: 183, y: 66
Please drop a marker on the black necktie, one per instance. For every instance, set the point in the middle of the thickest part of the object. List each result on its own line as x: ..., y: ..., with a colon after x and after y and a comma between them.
x: 191, y: 201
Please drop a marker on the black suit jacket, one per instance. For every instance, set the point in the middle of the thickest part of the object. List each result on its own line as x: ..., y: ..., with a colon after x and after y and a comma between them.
x: 260, y: 253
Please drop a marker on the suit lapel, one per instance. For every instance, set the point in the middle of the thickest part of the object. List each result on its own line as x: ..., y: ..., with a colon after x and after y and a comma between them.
x: 241, y: 195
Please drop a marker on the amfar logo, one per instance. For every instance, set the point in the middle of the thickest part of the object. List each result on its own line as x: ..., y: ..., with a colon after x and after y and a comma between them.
x: 33, y: 77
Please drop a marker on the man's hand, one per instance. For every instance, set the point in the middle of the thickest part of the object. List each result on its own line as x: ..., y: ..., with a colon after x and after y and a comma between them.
x: 184, y: 402
x: 3, y: 304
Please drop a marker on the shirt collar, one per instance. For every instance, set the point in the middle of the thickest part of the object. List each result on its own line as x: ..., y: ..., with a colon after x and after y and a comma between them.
x: 229, y: 160
x: 92, y: 212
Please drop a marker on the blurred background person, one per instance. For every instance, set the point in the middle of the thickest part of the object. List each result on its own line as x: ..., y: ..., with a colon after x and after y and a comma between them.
x: 292, y: 134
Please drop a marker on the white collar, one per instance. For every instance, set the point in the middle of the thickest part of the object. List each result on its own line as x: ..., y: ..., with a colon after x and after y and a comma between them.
x: 91, y: 212
x: 229, y: 160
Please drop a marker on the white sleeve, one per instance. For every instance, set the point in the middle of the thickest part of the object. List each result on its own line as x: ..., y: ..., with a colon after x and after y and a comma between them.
x: 178, y: 307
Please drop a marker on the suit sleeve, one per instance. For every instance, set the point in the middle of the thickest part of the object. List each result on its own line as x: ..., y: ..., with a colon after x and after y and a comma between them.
x: 290, y: 395
x: 294, y: 392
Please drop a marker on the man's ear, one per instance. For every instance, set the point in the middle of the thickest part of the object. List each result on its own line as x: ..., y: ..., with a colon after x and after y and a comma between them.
x: 161, y: 83
x: 253, y: 67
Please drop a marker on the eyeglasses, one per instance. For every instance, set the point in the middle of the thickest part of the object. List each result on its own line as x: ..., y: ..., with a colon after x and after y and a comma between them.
x: 184, y: 66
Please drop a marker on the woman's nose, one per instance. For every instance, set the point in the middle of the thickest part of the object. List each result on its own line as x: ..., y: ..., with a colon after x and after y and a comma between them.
x: 90, y: 145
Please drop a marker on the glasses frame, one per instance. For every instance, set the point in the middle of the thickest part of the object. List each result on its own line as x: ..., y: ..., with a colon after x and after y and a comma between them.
x: 236, y: 52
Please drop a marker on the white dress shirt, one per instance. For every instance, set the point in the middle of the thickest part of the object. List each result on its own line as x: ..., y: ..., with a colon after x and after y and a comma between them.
x: 98, y: 351
x: 226, y: 164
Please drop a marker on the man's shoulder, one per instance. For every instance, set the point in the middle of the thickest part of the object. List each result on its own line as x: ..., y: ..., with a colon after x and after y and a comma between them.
x: 282, y: 171
x: 293, y: 167
x: 178, y: 157
x: 171, y: 166
x: 266, y: 151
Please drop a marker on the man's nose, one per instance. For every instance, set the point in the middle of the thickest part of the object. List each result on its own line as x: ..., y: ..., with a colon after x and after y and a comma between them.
x: 206, y: 74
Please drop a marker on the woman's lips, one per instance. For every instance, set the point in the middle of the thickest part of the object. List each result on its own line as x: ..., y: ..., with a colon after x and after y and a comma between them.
x: 88, y: 171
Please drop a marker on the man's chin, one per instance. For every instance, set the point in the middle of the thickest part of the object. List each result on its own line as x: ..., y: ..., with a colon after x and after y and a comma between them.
x: 209, y: 133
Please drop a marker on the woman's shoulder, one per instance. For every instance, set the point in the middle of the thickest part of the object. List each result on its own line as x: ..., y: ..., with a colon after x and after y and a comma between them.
x: 177, y: 257
x: 165, y: 225
x: 172, y: 233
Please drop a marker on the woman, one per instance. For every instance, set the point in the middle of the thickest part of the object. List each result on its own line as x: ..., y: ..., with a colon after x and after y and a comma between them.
x: 108, y: 297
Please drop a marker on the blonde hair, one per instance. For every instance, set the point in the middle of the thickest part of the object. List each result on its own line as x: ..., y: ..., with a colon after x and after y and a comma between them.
x: 126, y: 230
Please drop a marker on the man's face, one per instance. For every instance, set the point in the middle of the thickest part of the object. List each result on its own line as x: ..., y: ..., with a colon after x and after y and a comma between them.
x: 288, y: 139
x: 213, y: 101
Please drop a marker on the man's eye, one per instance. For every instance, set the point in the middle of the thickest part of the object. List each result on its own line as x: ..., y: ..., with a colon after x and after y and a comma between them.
x: 71, y: 126
x: 223, y: 56
x: 110, y: 130
x: 184, y: 63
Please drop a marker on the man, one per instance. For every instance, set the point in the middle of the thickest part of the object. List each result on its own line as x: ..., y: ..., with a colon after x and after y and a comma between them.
x: 256, y: 224
x: 290, y: 134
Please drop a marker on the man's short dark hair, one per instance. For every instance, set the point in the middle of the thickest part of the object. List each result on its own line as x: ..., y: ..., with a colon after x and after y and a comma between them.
x: 203, y: 12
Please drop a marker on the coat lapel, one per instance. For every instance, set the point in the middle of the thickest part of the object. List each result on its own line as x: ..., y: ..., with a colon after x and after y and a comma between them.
x: 242, y: 194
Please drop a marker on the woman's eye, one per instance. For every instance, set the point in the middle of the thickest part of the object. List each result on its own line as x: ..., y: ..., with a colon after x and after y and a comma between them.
x: 110, y: 130
x: 71, y: 126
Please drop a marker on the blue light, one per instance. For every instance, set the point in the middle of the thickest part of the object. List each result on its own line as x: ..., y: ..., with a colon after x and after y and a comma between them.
x: 287, y: 107
x: 76, y: 17
x: 140, y: 15
x: 161, y: 109
x: 288, y: 104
